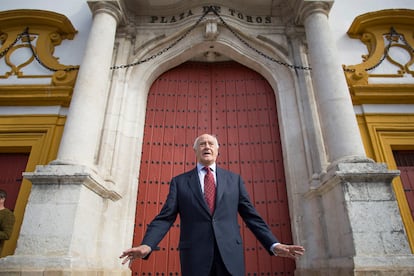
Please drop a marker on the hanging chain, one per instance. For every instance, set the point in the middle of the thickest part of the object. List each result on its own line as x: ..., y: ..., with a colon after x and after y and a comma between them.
x: 211, y: 9
x: 4, y: 52
x: 405, y: 42
x: 167, y: 48
x: 256, y: 50
x: 68, y: 69
x: 25, y: 34
x: 386, y: 50
x: 393, y: 34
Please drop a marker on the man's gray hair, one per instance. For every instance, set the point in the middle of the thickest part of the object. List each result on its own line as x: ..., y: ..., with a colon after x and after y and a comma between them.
x: 198, y: 138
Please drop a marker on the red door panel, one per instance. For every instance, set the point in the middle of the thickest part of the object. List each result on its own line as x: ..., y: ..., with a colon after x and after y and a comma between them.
x: 407, y: 179
x: 11, y: 167
x: 405, y: 163
x: 238, y: 105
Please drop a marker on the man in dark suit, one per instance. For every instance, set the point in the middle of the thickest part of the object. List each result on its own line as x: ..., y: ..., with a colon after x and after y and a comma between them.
x: 210, y: 241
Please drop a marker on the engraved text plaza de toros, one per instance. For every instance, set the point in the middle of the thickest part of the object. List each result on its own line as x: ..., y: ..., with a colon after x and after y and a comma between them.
x: 230, y: 11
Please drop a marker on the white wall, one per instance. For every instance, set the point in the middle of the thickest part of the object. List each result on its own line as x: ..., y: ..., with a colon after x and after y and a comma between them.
x: 70, y: 52
x: 344, y: 12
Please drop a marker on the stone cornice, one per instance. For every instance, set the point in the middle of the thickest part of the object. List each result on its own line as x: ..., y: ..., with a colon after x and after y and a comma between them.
x: 58, y: 174
x: 25, y: 17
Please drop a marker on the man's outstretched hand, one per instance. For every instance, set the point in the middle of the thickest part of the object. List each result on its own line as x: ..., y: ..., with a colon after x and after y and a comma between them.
x: 289, y: 251
x: 282, y: 250
x: 133, y: 253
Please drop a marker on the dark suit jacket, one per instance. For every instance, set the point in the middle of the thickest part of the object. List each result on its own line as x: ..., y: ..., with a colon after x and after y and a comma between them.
x: 199, y: 229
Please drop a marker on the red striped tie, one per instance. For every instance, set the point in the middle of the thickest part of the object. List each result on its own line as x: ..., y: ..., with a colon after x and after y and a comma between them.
x: 209, y: 189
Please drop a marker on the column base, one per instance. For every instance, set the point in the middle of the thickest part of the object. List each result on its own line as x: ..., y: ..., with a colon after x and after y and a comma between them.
x: 54, y: 266
x: 358, y: 228
x: 391, y: 265
x: 71, y: 226
x: 336, y: 271
x: 71, y: 272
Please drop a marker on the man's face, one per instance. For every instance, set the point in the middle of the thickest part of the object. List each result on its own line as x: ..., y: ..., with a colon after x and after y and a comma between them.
x: 206, y: 150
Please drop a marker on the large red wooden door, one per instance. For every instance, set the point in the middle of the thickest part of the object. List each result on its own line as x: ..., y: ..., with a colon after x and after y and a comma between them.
x: 238, y: 106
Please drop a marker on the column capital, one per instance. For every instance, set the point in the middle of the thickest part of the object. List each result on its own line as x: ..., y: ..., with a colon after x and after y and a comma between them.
x: 112, y: 7
x: 308, y: 7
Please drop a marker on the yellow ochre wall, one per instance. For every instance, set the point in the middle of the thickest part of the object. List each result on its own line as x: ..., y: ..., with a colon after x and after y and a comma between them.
x: 381, y: 134
x: 38, y: 135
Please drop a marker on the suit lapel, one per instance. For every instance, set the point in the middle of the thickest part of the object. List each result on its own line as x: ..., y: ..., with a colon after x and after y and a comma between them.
x: 194, y: 185
x: 221, y: 184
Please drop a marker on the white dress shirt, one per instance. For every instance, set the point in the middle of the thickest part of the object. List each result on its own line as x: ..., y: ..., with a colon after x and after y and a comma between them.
x: 202, y: 173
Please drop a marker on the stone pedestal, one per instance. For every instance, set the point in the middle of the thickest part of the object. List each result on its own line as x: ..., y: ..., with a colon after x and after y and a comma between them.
x: 66, y: 230
x: 359, y: 230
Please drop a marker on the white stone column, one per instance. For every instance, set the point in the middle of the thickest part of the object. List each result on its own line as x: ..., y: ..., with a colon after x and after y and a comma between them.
x: 352, y: 221
x: 341, y: 133
x: 83, y: 127
x: 65, y: 228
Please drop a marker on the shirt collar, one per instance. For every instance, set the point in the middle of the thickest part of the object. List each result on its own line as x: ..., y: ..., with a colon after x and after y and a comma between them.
x: 212, y: 167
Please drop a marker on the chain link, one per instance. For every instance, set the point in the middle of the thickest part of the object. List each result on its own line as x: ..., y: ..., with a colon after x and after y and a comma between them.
x: 256, y: 50
x: 211, y: 9
x: 5, y: 51
x: 406, y: 43
x: 165, y: 49
x: 68, y: 69
x: 393, y: 34
x: 26, y: 34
